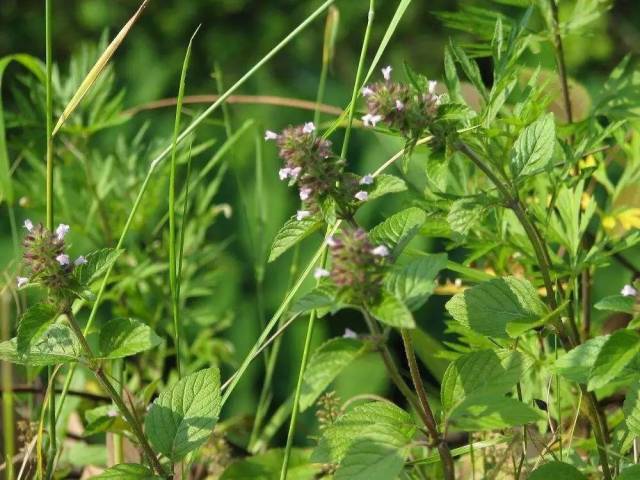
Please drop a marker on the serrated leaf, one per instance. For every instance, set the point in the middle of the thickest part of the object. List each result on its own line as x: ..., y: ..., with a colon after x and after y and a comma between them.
x: 126, y: 471
x: 534, y: 146
x: 391, y: 311
x: 122, y: 337
x: 368, y: 459
x: 414, y: 282
x: 57, y: 344
x: 326, y: 363
x: 104, y: 419
x: 292, y: 232
x: 631, y: 409
x: 617, y: 303
x: 33, y: 323
x: 97, y: 263
x: 464, y: 213
x: 487, y: 308
x: 616, y: 353
x: 396, y: 231
x: 183, y: 416
x: 266, y: 466
x: 382, y: 422
x: 576, y: 364
x: 481, y: 373
x: 489, y: 412
x: 323, y: 297
x: 384, y: 184
x: 557, y: 471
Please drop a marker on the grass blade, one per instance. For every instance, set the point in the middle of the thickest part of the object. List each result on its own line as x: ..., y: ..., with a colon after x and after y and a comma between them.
x: 97, y: 69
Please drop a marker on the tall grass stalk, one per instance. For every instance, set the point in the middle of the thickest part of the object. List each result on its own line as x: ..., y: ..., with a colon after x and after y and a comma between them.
x: 6, y: 372
x: 163, y: 155
x: 49, y: 215
x: 312, y: 317
x: 175, y: 307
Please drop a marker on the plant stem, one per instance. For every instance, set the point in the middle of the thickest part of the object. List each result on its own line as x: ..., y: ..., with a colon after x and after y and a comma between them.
x: 418, y: 385
x: 6, y: 369
x: 95, y: 366
x: 562, y: 68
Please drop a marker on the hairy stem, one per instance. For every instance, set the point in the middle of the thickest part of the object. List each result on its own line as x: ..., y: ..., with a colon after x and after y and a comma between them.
x: 418, y: 385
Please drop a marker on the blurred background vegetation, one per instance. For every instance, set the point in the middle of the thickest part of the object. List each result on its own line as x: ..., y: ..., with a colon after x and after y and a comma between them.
x: 224, y: 319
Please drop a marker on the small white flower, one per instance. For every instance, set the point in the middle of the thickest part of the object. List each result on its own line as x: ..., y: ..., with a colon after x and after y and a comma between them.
x: 28, y: 224
x: 331, y: 241
x: 628, y: 291
x: 81, y: 260
x: 386, y: 72
x: 380, y: 251
x: 371, y: 120
x: 302, y: 214
x: 320, y: 273
x: 348, y: 333
x: 309, y: 127
x: 295, y: 172
x: 61, y: 231
x: 112, y: 413
x: 366, y: 180
x: 270, y: 135
x: 458, y: 282
x: 362, y: 196
x: 438, y: 99
x: 305, y: 193
x: 63, y: 259
x: 284, y: 173
x: 432, y: 86
x: 22, y: 281
x: 366, y: 91
x: 399, y: 105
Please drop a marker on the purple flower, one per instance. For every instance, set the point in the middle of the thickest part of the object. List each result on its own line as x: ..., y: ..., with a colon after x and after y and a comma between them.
x: 321, y: 273
x: 309, y: 127
x: 399, y: 105
x: 362, y: 196
x: 22, y: 281
x: 380, y: 251
x: 628, y: 291
x: 295, y: 172
x: 284, y: 173
x: 81, y: 260
x: 305, y: 192
x: 371, y: 120
x: 432, y: 86
x: 348, y: 333
x: 331, y: 241
x: 61, y: 231
x: 386, y: 73
x: 366, y: 180
x: 63, y: 259
x: 270, y: 135
x: 28, y: 224
x: 302, y: 214
x: 367, y: 91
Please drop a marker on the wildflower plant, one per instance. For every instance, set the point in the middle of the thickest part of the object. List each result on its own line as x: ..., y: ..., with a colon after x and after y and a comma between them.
x: 515, y: 201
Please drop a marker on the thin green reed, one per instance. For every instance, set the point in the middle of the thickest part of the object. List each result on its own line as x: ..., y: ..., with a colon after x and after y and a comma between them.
x: 164, y: 153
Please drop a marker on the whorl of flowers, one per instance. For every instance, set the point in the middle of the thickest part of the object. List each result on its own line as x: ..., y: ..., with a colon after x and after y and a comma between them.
x: 401, y: 106
x: 46, y: 260
x: 357, y: 265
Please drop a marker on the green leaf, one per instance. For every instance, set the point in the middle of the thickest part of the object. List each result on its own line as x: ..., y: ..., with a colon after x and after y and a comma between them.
x: 183, y: 416
x: 557, y: 471
x: 97, y: 263
x: 470, y: 68
x: 616, y: 353
x: 391, y: 311
x: 33, y: 323
x: 534, y: 146
x: 126, y: 471
x: 396, y: 231
x: 630, y: 473
x: 384, y: 184
x: 464, y: 213
x: 489, y: 412
x: 266, y: 466
x: 57, y: 344
x: 487, y: 308
x: 102, y: 419
x: 381, y: 422
x: 292, y: 232
x: 631, y: 409
x: 326, y: 363
x: 122, y: 337
x: 576, y: 364
x: 323, y: 297
x: 368, y: 459
x: 414, y: 282
x: 481, y: 373
x: 617, y: 303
